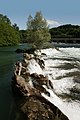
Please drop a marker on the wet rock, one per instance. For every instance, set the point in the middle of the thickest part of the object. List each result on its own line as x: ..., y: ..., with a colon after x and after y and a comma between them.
x: 20, y: 86
x: 30, y: 51
x: 40, y: 62
x: 18, y: 68
x: 43, y: 54
x: 38, y: 108
x: 34, y: 109
x: 24, y: 63
x: 39, y: 79
x: 20, y: 51
x: 30, y: 86
x: 28, y: 56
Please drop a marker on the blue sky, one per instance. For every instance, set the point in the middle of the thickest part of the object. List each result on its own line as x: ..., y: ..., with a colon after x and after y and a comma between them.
x: 56, y: 12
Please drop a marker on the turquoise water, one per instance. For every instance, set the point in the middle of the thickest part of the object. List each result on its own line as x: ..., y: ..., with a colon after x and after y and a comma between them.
x: 8, y: 57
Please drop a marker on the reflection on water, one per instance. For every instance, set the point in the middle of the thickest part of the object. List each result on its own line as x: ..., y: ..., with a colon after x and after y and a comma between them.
x: 8, y: 57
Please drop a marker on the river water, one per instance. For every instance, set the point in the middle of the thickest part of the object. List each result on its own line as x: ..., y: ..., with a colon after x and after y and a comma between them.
x: 8, y: 58
x: 62, y: 66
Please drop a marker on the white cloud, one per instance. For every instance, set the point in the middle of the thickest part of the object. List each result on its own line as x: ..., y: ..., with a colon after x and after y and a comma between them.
x: 53, y: 23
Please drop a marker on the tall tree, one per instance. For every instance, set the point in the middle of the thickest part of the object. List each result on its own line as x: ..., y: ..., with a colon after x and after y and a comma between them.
x: 8, y: 35
x: 37, y: 30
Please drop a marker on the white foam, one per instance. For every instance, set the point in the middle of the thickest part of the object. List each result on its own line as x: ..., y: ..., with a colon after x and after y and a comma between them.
x: 70, y: 109
x: 34, y: 67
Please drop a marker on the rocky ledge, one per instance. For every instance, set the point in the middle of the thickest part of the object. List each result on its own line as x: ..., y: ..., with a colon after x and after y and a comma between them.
x: 28, y: 83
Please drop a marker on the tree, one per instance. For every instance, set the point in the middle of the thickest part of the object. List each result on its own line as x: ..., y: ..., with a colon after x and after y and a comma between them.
x: 8, y: 35
x: 37, y: 30
x: 5, y: 19
x: 15, y: 26
x: 23, y: 36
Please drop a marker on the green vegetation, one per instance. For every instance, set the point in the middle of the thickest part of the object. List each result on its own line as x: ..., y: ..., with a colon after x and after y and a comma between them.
x: 37, y: 31
x: 65, y: 31
x: 8, y: 34
x: 23, y: 36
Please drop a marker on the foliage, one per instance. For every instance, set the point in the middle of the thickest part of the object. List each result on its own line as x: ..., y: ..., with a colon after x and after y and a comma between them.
x: 37, y: 30
x: 65, y: 31
x: 23, y: 36
x: 8, y: 34
x: 5, y: 19
x: 15, y: 26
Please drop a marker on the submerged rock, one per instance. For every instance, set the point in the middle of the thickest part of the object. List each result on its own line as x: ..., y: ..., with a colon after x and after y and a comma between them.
x: 30, y: 51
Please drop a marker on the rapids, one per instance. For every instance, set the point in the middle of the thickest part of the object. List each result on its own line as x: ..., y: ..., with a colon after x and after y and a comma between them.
x: 63, y: 69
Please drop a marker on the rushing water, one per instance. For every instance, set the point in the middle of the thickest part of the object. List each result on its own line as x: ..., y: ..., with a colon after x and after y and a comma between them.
x: 63, y: 67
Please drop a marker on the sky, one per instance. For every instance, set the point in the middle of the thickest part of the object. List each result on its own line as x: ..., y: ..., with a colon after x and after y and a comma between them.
x: 56, y: 12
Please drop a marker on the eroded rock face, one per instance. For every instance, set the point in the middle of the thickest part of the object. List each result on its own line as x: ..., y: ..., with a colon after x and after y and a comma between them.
x: 38, y: 108
x: 21, y: 87
x: 30, y: 85
x: 34, y: 109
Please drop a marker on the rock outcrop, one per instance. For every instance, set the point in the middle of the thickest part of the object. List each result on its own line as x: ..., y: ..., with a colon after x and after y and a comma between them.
x: 37, y: 108
x: 29, y: 84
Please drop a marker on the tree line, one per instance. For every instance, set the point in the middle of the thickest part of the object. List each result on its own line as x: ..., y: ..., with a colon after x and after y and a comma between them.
x: 65, y: 31
x: 37, y: 31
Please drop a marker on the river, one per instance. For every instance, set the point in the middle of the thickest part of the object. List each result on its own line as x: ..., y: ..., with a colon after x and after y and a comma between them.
x: 63, y: 68
x: 8, y: 58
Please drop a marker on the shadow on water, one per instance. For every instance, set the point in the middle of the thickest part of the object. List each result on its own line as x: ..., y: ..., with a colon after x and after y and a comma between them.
x: 8, y: 57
